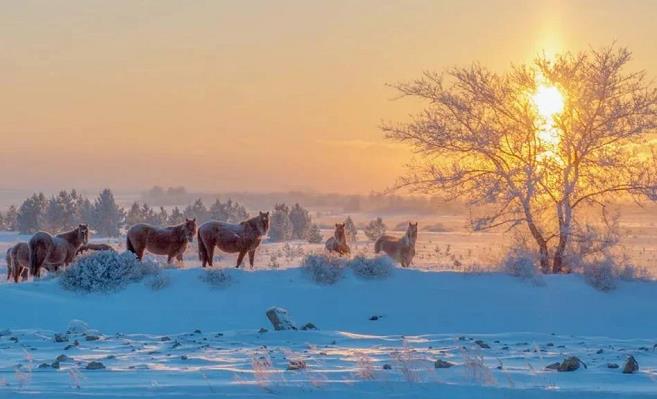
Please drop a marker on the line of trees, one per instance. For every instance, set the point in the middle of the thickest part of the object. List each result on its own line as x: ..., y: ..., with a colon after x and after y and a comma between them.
x: 67, y: 209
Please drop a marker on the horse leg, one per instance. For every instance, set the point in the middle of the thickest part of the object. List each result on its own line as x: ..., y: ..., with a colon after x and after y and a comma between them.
x: 209, y: 251
x: 240, y: 258
x: 24, y: 272
x: 251, y: 257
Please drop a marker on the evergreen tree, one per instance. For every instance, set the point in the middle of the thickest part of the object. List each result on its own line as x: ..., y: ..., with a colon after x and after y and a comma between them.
x: 29, y: 218
x: 3, y: 227
x: 162, y: 217
x: 375, y: 229
x: 314, y: 234
x: 61, y: 212
x: 134, y: 215
x: 196, y: 210
x: 107, y: 217
x: 280, y: 228
x: 301, y: 221
x: 10, y: 218
x: 176, y: 217
x: 83, y: 208
x: 350, y: 230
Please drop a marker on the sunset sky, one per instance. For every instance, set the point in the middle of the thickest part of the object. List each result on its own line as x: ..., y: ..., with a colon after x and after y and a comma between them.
x: 253, y: 95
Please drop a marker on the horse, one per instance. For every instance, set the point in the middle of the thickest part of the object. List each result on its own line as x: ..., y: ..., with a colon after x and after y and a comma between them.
x: 18, y: 262
x: 242, y: 238
x: 401, y: 249
x: 60, y: 250
x: 170, y: 241
x: 338, y: 243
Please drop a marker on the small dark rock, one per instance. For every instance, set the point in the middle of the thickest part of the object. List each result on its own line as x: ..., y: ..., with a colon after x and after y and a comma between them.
x: 549, y: 344
x: 44, y: 366
x: 599, y: 351
x: 91, y: 337
x: 95, y: 366
x: 631, y: 365
x: 482, y: 344
x: 165, y: 339
x: 64, y: 358
x: 61, y: 338
x: 387, y: 367
x: 13, y: 339
x: 262, y: 330
x: 442, y: 364
x: 197, y: 331
x: 553, y: 366
x: 55, y: 364
x: 309, y: 326
x: 612, y: 366
x: 571, y: 364
x: 175, y: 345
x: 374, y: 318
x: 219, y: 335
x: 183, y: 357
x: 297, y: 364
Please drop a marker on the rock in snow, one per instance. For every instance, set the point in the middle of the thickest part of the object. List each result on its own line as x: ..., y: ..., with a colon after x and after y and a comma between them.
x: 570, y: 364
x: 631, y: 365
x: 95, y: 366
x: 280, y: 319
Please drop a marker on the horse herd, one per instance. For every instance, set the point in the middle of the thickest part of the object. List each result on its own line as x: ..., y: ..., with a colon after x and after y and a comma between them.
x: 54, y: 251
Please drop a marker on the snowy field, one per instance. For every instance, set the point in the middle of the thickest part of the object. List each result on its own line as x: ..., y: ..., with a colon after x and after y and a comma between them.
x: 376, y: 338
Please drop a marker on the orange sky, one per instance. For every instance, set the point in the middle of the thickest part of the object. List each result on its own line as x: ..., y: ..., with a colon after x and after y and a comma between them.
x: 253, y: 95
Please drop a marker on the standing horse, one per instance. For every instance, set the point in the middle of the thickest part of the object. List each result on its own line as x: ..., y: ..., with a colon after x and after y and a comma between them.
x: 400, y: 249
x: 171, y: 241
x: 338, y: 243
x: 243, y: 238
x: 18, y: 262
x: 60, y: 250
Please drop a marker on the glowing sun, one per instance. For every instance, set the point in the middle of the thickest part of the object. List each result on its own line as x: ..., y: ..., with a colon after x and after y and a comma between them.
x: 549, y: 102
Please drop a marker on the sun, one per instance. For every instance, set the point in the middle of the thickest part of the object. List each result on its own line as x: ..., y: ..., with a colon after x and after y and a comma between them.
x: 549, y: 102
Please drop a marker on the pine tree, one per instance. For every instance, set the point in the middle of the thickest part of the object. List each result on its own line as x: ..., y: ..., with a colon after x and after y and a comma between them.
x: 107, y: 217
x: 375, y: 229
x: 280, y: 228
x: 196, y: 210
x: 301, y: 221
x: 29, y: 218
x: 350, y: 230
x: 10, y: 218
x: 176, y: 217
x: 134, y: 215
x: 315, y: 234
x: 162, y: 217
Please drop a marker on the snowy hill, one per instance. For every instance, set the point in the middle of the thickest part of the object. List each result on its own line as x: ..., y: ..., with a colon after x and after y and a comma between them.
x: 190, y: 338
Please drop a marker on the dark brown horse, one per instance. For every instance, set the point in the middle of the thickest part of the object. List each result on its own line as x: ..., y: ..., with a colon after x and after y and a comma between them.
x: 338, y: 243
x: 55, y: 251
x: 400, y: 249
x: 18, y: 262
x: 170, y: 241
x: 242, y: 238
x: 94, y: 247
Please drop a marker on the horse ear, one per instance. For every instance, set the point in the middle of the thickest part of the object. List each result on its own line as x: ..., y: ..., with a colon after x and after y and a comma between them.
x: 194, y: 220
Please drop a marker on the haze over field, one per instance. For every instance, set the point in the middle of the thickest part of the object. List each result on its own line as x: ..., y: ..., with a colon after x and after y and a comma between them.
x: 243, y: 96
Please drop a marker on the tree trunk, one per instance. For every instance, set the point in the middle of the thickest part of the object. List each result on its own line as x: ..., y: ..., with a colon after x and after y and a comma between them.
x: 565, y: 217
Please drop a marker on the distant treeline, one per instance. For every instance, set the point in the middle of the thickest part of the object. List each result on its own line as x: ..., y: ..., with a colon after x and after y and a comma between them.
x: 67, y: 209
x: 373, y: 203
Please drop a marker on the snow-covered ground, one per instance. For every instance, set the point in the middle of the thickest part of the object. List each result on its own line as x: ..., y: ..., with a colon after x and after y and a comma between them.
x: 189, y: 339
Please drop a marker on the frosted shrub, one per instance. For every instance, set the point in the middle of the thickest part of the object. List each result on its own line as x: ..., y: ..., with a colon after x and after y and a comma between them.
x: 601, y: 274
x: 323, y: 269
x: 106, y: 271
x: 372, y: 268
x: 158, y: 281
x: 219, y: 278
x: 522, y: 263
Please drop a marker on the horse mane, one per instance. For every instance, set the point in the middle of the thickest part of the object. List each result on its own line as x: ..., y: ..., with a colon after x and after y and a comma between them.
x: 69, y: 235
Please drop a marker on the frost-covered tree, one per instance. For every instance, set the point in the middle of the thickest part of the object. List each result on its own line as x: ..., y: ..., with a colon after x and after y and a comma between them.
x: 134, y: 215
x: 197, y: 210
x: 280, y: 228
x: 10, y: 218
x: 228, y: 211
x: 61, y: 212
x: 533, y: 147
x: 30, y: 216
x: 107, y: 217
x: 375, y: 229
x: 314, y: 234
x: 350, y: 229
x: 301, y: 222
x: 176, y: 216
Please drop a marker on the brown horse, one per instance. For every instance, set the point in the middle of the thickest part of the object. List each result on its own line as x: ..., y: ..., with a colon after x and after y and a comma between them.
x: 243, y: 237
x: 18, y: 262
x: 60, y: 250
x: 338, y: 243
x: 94, y: 247
x: 400, y: 249
x: 170, y: 241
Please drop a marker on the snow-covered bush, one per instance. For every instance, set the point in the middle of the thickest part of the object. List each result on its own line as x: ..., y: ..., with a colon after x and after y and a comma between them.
x: 158, y: 281
x: 601, y: 274
x: 106, y: 271
x: 371, y: 268
x: 521, y: 262
x: 375, y: 229
x: 217, y: 278
x: 323, y: 269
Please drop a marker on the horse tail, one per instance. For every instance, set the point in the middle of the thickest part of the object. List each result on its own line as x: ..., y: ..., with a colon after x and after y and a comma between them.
x: 129, y: 245
x: 202, y: 250
x: 37, y: 254
x: 378, y: 245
